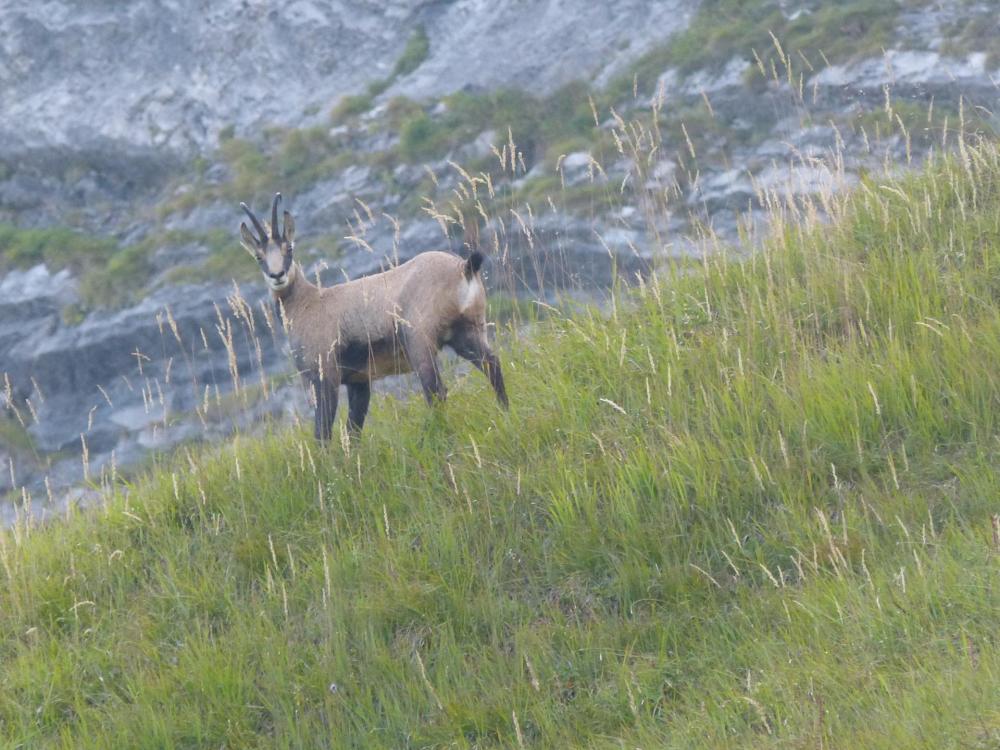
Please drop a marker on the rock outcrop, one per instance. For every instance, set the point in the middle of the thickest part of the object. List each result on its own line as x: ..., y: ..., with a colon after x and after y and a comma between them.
x: 170, y: 75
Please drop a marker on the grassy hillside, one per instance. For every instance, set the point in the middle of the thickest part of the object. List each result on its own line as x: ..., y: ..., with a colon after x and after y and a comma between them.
x: 749, y: 506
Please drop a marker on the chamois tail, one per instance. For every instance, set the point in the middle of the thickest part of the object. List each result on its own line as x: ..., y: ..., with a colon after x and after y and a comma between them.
x: 473, y: 264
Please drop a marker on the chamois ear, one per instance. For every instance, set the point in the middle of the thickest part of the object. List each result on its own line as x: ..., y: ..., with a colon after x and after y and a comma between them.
x: 249, y: 242
x: 288, y: 233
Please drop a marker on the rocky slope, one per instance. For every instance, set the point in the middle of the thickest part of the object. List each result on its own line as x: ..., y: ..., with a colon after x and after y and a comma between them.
x: 148, y: 125
x: 170, y: 75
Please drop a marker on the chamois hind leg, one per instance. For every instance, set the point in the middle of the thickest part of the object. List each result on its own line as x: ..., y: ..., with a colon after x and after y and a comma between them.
x: 326, y: 408
x: 358, y: 397
x: 423, y: 360
x: 469, y: 342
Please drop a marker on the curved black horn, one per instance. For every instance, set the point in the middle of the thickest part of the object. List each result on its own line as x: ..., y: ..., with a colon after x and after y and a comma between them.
x: 256, y: 224
x: 274, y: 217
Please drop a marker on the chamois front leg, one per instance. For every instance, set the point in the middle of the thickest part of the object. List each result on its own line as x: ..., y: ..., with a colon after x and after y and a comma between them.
x: 326, y: 408
x: 358, y: 397
x: 423, y: 360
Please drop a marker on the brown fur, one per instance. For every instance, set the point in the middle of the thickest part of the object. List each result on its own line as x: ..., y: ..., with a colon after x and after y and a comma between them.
x: 383, y: 324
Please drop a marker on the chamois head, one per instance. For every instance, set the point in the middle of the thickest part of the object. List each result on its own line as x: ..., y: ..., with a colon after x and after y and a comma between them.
x: 272, y: 251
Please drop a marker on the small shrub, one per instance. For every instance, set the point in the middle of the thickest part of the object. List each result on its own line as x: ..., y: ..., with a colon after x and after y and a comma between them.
x: 120, y: 280
x: 724, y: 29
x: 973, y: 35
x: 300, y: 151
x: 73, y: 315
x: 414, y: 54
x: 377, y: 87
x: 351, y: 105
x: 399, y: 109
x: 57, y: 247
x: 421, y: 138
x: 250, y: 168
x: 13, y: 436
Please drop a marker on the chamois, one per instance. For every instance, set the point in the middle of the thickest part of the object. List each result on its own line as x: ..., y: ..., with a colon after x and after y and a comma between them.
x: 387, y: 323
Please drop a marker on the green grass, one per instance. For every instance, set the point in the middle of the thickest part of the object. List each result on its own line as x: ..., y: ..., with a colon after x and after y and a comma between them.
x: 57, y: 247
x: 414, y: 53
x: 121, y: 280
x: 544, y: 127
x: 110, y: 274
x: 533, y: 122
x: 971, y: 35
x: 748, y: 506
x: 13, y: 436
x: 113, y: 275
x: 724, y: 29
x: 924, y: 126
x: 294, y: 158
x: 350, y: 106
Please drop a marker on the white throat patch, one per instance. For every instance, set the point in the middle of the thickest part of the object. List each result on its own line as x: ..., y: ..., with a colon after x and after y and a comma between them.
x: 468, y: 294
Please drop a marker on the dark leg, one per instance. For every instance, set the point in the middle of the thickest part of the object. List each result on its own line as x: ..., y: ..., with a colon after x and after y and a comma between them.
x: 326, y: 408
x: 430, y: 378
x: 423, y: 360
x: 358, y: 397
x: 469, y: 343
